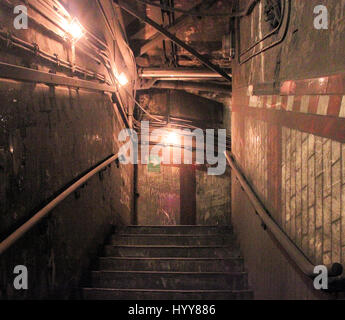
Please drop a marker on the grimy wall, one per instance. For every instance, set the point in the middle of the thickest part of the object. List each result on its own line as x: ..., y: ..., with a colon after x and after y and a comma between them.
x: 49, y: 136
x: 183, y: 194
x: 288, y: 137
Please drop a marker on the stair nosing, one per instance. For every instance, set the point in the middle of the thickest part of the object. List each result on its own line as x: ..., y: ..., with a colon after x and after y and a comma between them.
x: 170, y: 291
x: 170, y: 258
x: 166, y: 246
x: 177, y: 226
x: 200, y: 235
x: 170, y: 272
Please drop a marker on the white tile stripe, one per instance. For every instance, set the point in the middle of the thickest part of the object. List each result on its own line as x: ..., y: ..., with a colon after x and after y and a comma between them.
x: 279, y: 103
x: 290, y: 103
x: 305, y: 104
x: 269, y: 102
x: 342, y: 108
x: 253, y: 101
x: 322, y: 108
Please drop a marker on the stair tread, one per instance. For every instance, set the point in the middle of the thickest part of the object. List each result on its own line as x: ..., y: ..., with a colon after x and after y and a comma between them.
x: 171, y: 272
x: 171, y: 258
x: 166, y: 246
x: 158, y: 235
x: 167, y: 262
x: 167, y: 290
x: 179, y: 226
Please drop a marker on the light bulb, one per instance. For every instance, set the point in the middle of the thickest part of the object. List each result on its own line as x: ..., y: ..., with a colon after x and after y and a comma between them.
x: 172, y: 138
x: 122, y: 79
x: 74, y: 29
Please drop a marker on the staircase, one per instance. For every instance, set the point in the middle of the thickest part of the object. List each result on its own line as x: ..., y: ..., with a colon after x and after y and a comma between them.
x: 170, y: 263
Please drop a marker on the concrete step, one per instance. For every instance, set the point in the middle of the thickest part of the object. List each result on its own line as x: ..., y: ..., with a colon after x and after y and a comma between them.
x: 180, y: 229
x: 136, y: 294
x: 171, y: 239
x: 228, y: 251
x: 170, y: 280
x: 172, y: 264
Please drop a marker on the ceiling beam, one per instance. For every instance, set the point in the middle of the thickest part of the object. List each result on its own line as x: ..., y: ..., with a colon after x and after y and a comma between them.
x: 179, y: 23
x: 182, y: 85
x: 141, y: 16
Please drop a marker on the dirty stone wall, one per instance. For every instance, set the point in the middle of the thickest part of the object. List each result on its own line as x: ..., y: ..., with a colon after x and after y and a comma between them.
x: 49, y: 136
x: 159, y: 199
x: 213, y: 198
x: 288, y: 138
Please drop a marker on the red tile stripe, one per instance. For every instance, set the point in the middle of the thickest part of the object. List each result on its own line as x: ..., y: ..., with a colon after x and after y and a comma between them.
x: 322, y: 96
x: 332, y: 85
x: 323, y: 105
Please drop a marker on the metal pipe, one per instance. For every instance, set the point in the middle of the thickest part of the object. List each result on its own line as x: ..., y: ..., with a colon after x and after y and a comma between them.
x: 127, y: 7
x: 21, y: 231
x: 179, y: 73
x: 9, y: 71
x: 184, y: 85
x: 24, y: 45
x: 290, y: 248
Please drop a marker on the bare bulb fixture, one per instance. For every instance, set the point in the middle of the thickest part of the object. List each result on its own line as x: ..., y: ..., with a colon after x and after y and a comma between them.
x: 122, y: 79
x: 74, y: 29
x: 172, y: 138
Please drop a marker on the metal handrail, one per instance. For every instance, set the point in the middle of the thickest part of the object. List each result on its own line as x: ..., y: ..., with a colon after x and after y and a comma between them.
x: 22, y: 230
x: 304, y: 264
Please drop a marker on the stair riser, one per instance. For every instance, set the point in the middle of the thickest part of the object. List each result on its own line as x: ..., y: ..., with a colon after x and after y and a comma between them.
x: 170, y: 282
x: 113, y: 251
x: 230, y: 265
x: 171, y: 240
x: 95, y: 294
x: 176, y: 230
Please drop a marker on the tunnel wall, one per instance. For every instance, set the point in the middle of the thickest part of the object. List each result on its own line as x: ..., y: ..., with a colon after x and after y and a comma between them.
x: 159, y: 201
x: 49, y: 136
x: 288, y: 138
x: 161, y: 194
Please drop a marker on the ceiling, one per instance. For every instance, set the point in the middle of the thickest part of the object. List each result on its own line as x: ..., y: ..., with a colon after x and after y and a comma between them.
x: 204, y: 30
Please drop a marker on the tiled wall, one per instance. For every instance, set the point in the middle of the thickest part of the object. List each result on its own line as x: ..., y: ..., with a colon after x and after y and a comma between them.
x: 313, y: 194
x: 256, y: 140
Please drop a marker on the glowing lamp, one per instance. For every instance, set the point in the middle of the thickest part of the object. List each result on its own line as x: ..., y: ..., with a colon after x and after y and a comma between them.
x: 122, y: 79
x: 172, y: 138
x: 74, y: 29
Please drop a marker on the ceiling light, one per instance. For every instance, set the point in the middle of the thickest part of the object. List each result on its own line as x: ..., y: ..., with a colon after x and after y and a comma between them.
x: 122, y: 79
x: 172, y: 138
x: 74, y: 29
